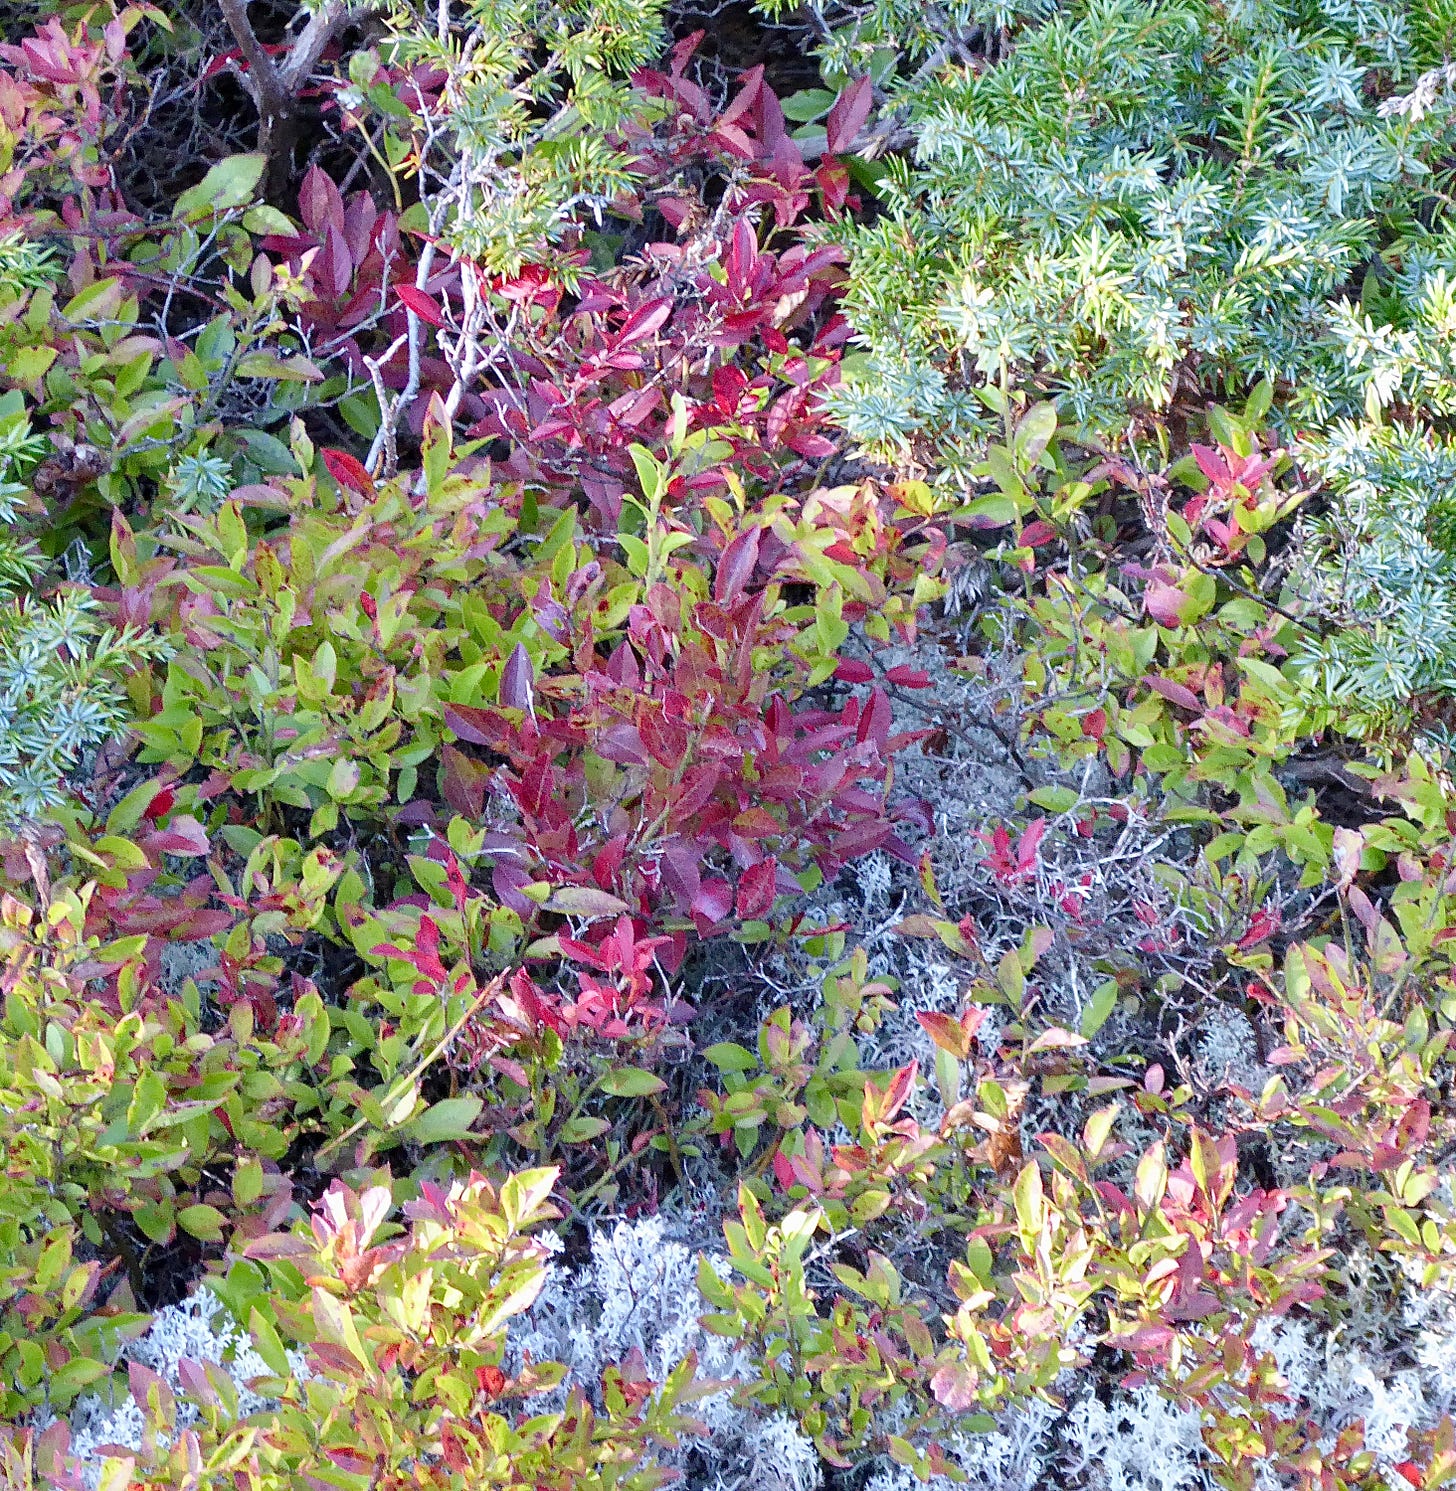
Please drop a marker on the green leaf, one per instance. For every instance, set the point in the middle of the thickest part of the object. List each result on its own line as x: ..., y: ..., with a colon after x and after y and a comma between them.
x: 265, y: 220
x: 1011, y: 976
x: 269, y: 454
x: 808, y: 104
x: 990, y: 511
x: 632, y: 1082
x: 1179, y: 528
x: 651, y: 473
x: 148, y: 1099
x: 397, y: 1108
x: 29, y: 364
x: 639, y: 557
x: 1401, y: 1221
x: 155, y: 1218
x: 247, y: 1182
x: 1259, y: 401
x: 1098, y: 1009
x: 450, y: 1118
x: 203, y: 1222
x: 1054, y: 799
x: 270, y: 1348
x: 1035, y: 430
x: 99, y: 300
x: 1097, y: 1129
x: 116, y: 1473
x: 729, y: 1056
x: 1027, y: 1196
x: 284, y: 369
x: 585, y: 901
x: 581, y: 1130
x: 129, y: 811
x: 1002, y: 469
x: 230, y: 183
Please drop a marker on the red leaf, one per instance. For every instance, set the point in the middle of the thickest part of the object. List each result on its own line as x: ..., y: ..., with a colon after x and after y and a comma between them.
x: 350, y: 1460
x: 507, y: 880
x: 955, y: 1388
x: 733, y: 140
x: 194, y: 1381
x: 427, y: 950
x: 348, y: 471
x: 184, y: 836
x: 682, y: 52
x: 1146, y: 1340
x: 849, y: 113
x: 681, y: 876
x: 536, y: 787
x: 1165, y: 604
x: 1028, y: 843
x: 1212, y: 464
x: 160, y: 805
x: 608, y: 862
x: 666, y: 740
x: 833, y: 181
x: 712, y: 904
x: 861, y: 839
x: 621, y: 743
x: 319, y: 202
x: 742, y: 257
x: 874, y: 723
x: 1174, y: 693
x: 757, y: 823
x: 426, y: 307
x: 815, y: 447
x: 517, y: 679
x: 851, y: 670
x: 947, y: 1032
x: 750, y: 85
x: 643, y: 322
x: 335, y: 261
x: 756, y: 889
x: 1262, y: 925
x: 634, y: 406
x: 736, y: 567
x: 219, y: 64
x: 900, y: 1088
x: 464, y: 781
x: 469, y: 723
x: 908, y: 678
x: 142, y: 1381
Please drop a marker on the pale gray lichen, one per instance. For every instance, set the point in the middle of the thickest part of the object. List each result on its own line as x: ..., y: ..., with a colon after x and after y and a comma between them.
x: 1138, y: 1442
x: 639, y: 1292
x: 199, y: 1329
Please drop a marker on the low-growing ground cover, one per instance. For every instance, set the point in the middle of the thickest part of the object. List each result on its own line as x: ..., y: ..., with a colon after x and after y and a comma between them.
x: 723, y: 746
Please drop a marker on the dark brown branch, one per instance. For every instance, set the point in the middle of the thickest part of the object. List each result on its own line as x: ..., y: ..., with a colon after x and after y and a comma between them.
x: 276, y: 86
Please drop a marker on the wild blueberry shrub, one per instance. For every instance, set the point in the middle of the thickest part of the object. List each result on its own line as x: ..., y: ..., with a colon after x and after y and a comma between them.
x: 717, y: 775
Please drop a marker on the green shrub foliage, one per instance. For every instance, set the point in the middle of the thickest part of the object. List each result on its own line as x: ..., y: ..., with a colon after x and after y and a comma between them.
x: 838, y: 685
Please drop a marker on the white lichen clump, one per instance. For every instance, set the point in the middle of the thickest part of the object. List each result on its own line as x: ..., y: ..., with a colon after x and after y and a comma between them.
x: 1141, y: 1442
x: 199, y: 1330
x: 640, y: 1293
x: 1398, y: 1379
